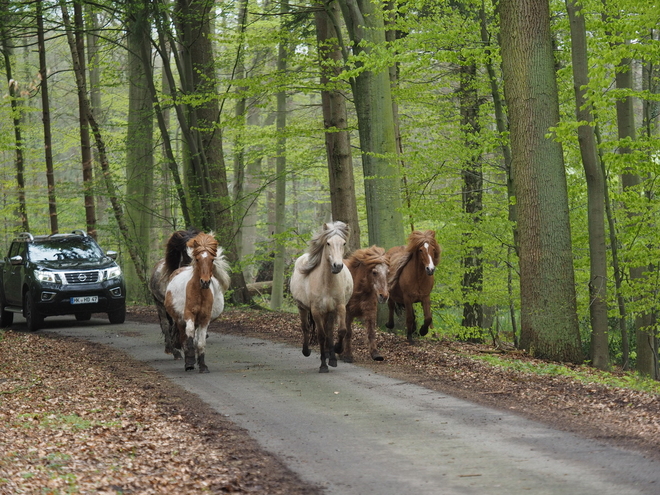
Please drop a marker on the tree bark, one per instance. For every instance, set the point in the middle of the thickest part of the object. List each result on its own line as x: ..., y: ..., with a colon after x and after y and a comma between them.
x: 549, y: 325
x: 373, y: 102
x: 335, y: 121
x: 595, y: 190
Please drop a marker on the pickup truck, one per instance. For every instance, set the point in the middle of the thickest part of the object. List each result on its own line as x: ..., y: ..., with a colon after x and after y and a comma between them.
x: 60, y: 274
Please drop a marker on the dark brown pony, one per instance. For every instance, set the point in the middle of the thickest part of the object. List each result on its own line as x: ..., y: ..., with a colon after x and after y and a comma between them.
x: 411, y: 279
x: 176, y: 256
x: 369, y: 268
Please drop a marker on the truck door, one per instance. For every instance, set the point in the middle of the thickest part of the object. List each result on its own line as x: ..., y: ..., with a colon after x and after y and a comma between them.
x: 13, y: 276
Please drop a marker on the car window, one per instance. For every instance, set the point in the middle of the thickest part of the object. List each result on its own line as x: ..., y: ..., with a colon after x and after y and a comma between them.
x: 65, y: 250
x: 13, y: 251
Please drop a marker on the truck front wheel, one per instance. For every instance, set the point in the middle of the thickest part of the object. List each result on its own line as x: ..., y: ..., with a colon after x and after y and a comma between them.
x: 33, y: 319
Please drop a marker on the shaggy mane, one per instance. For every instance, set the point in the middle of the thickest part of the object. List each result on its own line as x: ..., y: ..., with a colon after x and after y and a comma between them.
x: 369, y: 257
x: 317, y: 243
x: 176, y: 254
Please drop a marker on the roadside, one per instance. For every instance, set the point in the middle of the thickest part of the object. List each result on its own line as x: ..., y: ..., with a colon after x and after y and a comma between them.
x: 81, y: 414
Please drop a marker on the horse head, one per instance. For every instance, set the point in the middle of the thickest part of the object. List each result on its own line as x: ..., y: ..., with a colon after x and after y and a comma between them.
x: 377, y: 267
x: 202, y: 249
x: 334, y: 246
x: 428, y: 249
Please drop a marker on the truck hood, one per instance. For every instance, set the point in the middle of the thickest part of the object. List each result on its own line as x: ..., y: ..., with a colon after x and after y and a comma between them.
x: 61, y: 266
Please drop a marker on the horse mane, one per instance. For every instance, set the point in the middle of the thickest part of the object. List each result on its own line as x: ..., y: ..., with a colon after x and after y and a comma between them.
x: 176, y: 254
x: 368, y: 257
x: 208, y: 242
x: 317, y: 243
x: 416, y: 240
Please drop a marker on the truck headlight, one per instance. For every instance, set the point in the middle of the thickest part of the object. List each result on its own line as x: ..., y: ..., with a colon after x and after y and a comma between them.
x: 114, y: 272
x: 45, y: 276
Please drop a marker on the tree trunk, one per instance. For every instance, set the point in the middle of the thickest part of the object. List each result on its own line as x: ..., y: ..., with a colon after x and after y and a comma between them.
x: 472, y: 175
x: 139, y: 149
x: 373, y: 102
x: 549, y: 325
x: 45, y: 106
x: 277, y: 293
x: 16, y: 117
x: 595, y: 191
x: 337, y: 138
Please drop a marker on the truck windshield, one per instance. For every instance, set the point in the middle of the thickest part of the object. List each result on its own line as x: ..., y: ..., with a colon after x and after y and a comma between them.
x: 65, y: 249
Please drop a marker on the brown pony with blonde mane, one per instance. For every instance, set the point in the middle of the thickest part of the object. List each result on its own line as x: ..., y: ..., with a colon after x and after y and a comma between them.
x: 411, y: 279
x: 369, y: 268
x: 195, y: 297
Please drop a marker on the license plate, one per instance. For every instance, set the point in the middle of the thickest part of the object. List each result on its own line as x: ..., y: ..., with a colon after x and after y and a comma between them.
x: 84, y: 300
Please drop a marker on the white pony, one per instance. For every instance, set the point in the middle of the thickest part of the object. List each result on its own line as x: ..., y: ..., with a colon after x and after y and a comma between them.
x: 322, y: 285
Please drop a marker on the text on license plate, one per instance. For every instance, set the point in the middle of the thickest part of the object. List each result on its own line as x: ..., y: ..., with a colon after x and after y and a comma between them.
x: 84, y: 300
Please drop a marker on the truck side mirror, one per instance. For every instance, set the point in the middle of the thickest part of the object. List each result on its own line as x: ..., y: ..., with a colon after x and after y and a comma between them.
x: 111, y: 254
x: 16, y: 260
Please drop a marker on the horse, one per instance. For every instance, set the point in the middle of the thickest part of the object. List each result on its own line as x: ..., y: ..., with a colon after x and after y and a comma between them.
x: 410, y: 279
x: 176, y: 256
x: 195, y: 296
x: 322, y: 285
x: 369, y: 269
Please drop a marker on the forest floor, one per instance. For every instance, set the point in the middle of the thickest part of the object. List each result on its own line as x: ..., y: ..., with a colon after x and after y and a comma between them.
x: 84, y: 418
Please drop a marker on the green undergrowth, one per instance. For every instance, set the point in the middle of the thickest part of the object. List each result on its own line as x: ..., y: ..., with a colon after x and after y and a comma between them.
x: 583, y: 374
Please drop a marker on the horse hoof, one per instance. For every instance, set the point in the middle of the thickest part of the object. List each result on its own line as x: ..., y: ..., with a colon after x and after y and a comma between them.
x: 423, y: 331
x: 339, y: 348
x: 306, y: 352
x: 377, y: 357
x: 324, y: 369
x: 347, y: 359
x: 389, y: 325
x: 332, y: 362
x: 190, y: 368
x: 176, y: 354
x: 205, y: 369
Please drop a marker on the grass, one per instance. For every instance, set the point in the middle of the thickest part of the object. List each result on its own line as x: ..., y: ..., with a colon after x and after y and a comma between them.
x: 584, y: 374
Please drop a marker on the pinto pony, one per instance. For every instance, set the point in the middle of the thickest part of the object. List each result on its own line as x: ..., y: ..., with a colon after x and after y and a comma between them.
x: 321, y: 285
x: 195, y: 297
x: 411, y: 279
x: 176, y: 256
x: 369, y: 269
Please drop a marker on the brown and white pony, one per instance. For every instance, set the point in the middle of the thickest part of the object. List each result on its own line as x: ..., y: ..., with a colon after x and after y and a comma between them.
x: 176, y: 256
x: 411, y: 279
x: 195, y: 297
x: 321, y: 285
x: 369, y: 268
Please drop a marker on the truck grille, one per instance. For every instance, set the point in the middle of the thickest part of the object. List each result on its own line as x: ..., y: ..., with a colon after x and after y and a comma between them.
x: 82, y: 277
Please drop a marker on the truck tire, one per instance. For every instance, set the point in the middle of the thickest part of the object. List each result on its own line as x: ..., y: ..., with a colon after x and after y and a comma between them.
x: 33, y: 319
x: 6, y: 317
x: 118, y: 315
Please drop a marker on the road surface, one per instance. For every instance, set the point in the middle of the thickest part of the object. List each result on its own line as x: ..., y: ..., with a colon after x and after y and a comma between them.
x: 353, y: 431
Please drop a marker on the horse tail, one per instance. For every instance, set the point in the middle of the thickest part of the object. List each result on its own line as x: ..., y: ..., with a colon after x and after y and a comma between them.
x: 399, y: 308
x: 221, y: 270
x: 176, y: 254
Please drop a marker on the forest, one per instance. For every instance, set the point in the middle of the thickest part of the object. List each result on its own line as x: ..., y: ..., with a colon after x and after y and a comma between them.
x: 523, y: 132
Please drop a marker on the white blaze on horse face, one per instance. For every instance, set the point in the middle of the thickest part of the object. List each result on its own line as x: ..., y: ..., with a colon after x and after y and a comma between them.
x: 430, y: 267
x: 335, y: 247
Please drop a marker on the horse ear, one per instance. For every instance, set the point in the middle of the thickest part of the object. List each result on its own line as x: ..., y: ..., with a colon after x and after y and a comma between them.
x: 325, y: 226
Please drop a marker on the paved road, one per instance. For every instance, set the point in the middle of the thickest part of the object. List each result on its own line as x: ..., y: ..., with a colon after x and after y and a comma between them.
x: 353, y: 431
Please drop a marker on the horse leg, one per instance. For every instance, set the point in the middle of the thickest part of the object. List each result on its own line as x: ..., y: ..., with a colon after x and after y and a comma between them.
x: 390, y: 319
x: 370, y: 323
x: 411, y: 325
x: 189, y: 349
x: 428, y: 318
x: 346, y: 350
x: 171, y: 340
x: 200, y: 345
x: 330, y: 337
x: 304, y: 325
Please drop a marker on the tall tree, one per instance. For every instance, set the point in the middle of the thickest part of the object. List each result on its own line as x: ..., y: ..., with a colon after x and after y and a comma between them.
x: 595, y: 189
x: 12, y: 86
x: 139, y: 146
x: 45, y: 110
x: 549, y: 324
x: 335, y: 122
x: 373, y: 102
x: 277, y: 293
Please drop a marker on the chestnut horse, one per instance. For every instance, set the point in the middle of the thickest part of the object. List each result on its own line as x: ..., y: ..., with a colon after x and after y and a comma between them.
x: 369, y: 268
x: 176, y: 256
x: 321, y: 285
x: 411, y: 279
x: 195, y: 297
